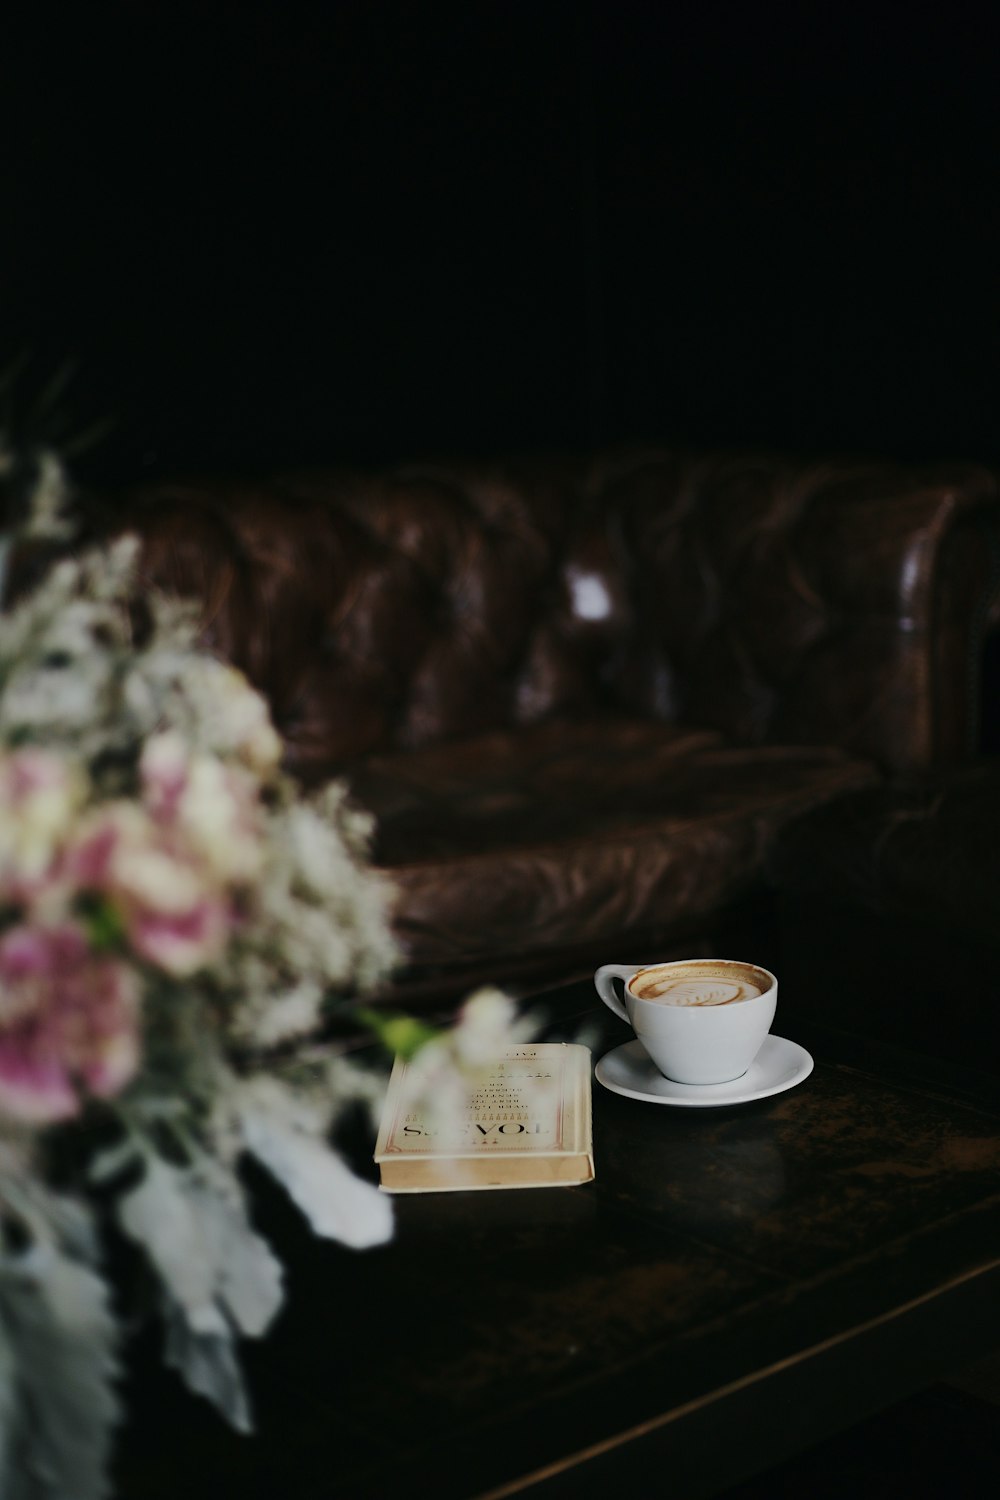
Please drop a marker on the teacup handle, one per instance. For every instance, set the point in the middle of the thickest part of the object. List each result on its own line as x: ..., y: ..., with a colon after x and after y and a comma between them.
x: 604, y: 979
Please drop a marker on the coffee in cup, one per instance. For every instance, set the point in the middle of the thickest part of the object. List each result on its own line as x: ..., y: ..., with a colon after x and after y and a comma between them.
x: 701, y: 982
x: 702, y: 1020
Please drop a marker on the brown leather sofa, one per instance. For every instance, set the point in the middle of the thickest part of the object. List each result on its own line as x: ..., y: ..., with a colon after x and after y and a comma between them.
x: 583, y: 696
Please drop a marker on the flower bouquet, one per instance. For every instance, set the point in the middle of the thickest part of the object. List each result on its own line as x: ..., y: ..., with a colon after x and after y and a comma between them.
x: 175, y: 921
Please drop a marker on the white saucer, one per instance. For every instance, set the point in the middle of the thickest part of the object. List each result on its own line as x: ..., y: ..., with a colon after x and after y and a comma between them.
x: 779, y: 1065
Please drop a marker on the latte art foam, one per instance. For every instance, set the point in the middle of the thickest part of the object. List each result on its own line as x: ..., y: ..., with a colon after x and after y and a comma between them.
x: 698, y: 984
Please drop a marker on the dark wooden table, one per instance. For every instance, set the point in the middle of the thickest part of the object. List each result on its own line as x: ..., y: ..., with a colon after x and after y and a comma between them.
x: 736, y: 1285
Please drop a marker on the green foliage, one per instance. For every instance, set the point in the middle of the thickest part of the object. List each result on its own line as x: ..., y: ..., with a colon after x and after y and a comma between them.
x: 104, y: 926
x: 402, y: 1035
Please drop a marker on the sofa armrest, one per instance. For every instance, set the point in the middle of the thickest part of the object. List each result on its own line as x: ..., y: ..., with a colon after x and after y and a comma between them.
x: 839, y: 604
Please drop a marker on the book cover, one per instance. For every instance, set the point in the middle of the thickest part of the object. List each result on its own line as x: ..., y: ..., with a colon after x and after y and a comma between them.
x: 526, y: 1123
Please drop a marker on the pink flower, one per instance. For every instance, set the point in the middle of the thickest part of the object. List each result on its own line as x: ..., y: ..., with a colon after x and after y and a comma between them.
x: 181, y: 943
x: 211, y: 807
x: 165, y: 769
x: 68, y: 1023
x: 175, y: 914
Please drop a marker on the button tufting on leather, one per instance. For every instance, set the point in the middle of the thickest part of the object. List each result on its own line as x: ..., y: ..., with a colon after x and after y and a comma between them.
x: 771, y: 601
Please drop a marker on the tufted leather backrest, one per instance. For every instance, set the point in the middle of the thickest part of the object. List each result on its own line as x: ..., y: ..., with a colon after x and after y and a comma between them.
x: 835, y: 604
x: 840, y: 603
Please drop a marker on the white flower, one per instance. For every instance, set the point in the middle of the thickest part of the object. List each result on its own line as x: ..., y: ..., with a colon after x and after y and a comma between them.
x: 487, y: 1023
x: 208, y: 701
x: 214, y: 807
x: 275, y: 1019
x: 48, y: 501
x: 40, y: 794
x: 244, y: 719
x: 448, y: 1070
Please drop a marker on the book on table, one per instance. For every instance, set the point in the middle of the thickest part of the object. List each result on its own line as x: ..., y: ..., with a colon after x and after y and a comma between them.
x: 525, y: 1122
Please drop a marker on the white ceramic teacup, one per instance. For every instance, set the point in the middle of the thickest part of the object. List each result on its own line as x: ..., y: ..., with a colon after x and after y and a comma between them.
x: 702, y: 1020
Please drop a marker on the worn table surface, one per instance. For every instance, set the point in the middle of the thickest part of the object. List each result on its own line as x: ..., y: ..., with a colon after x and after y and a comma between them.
x: 736, y: 1284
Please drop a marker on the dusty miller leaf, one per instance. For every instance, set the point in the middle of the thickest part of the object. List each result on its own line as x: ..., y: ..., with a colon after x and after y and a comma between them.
x: 249, y: 1276
x: 8, y: 1401
x: 106, y: 1164
x: 192, y: 1224
x: 206, y: 1360
x: 337, y: 1204
x: 59, y: 1404
x: 157, y: 1214
x: 217, y: 1274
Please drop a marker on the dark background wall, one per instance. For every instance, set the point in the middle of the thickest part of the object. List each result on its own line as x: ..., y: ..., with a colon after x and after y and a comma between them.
x: 362, y: 230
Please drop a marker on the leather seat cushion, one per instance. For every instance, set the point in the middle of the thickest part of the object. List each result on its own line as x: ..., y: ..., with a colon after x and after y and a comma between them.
x: 534, y: 840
